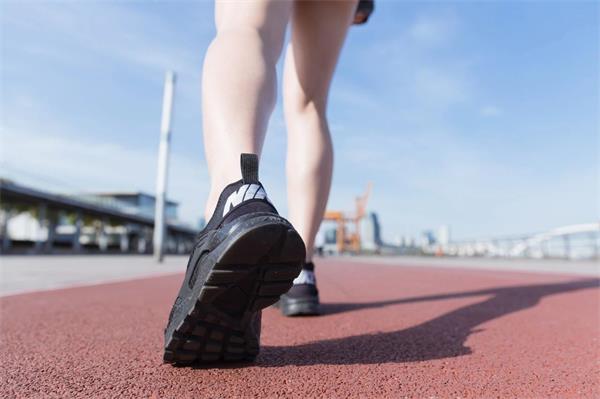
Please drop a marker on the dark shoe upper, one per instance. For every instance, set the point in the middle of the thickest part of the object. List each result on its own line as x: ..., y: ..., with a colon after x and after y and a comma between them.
x: 305, y: 285
x: 244, y: 260
x: 303, y: 298
x: 243, y: 197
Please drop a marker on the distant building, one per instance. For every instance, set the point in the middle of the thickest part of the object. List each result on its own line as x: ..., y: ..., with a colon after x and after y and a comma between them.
x: 443, y: 236
x: 427, y: 238
x: 36, y: 221
x: 370, y: 235
x: 136, y: 202
x: 327, y: 239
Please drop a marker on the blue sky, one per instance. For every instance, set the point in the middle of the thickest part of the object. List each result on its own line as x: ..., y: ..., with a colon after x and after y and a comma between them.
x: 480, y: 115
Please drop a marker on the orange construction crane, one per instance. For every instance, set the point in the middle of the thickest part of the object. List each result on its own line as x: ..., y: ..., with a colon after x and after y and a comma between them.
x: 349, y: 241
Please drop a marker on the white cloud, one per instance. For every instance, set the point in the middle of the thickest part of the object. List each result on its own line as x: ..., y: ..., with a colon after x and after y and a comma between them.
x: 433, y: 29
x: 354, y: 97
x: 77, y: 34
x: 413, y: 78
x: 54, y: 161
x: 45, y: 148
x: 405, y: 84
x: 491, y: 111
x: 440, y: 87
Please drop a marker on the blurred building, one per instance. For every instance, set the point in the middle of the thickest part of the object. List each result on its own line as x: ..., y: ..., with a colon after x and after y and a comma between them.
x: 427, y: 238
x: 36, y: 221
x: 370, y: 235
x: 443, y: 235
x: 138, y: 202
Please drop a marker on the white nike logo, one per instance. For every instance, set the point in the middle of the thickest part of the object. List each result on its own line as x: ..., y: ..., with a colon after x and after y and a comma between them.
x: 244, y: 193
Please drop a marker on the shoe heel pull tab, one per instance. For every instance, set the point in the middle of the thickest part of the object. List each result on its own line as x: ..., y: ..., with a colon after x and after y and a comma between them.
x: 249, y: 165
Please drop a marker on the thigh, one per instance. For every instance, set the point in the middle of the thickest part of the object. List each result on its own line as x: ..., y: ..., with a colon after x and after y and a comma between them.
x: 269, y: 17
x: 319, y: 29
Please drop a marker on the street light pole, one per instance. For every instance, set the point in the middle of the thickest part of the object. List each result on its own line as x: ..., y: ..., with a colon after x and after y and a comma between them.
x: 163, y: 166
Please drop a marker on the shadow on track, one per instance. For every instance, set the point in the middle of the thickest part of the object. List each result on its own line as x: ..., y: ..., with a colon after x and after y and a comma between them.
x: 441, y: 337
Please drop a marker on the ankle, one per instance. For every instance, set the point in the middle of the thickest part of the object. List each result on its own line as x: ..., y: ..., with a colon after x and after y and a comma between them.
x: 216, y: 188
x: 211, y: 203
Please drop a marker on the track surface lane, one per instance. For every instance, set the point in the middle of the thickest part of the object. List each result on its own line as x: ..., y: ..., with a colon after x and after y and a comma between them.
x: 387, y: 332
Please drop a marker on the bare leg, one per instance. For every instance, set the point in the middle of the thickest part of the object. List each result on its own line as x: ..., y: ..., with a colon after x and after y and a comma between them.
x: 239, y: 84
x: 318, y: 33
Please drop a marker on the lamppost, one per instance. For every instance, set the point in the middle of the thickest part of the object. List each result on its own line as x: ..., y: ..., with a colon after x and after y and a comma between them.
x: 163, y: 167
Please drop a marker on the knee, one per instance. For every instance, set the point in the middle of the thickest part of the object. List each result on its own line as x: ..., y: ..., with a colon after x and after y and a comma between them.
x: 301, y: 105
x: 251, y: 37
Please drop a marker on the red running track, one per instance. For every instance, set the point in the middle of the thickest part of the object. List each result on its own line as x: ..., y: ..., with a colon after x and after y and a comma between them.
x: 387, y: 331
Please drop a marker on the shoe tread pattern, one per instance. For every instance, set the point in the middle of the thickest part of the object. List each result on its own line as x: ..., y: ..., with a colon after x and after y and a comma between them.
x: 219, y: 326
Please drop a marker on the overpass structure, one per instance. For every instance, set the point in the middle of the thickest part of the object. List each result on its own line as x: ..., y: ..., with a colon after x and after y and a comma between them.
x: 82, y: 224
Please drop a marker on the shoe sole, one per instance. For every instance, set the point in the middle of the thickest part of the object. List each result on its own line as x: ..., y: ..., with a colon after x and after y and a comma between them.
x: 249, y: 273
x: 299, y: 307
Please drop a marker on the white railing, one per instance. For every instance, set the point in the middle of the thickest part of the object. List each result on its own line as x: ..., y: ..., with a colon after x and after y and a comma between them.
x: 578, y: 241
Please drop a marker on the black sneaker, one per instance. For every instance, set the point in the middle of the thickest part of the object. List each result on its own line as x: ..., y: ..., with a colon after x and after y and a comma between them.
x: 303, y: 298
x: 244, y: 259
